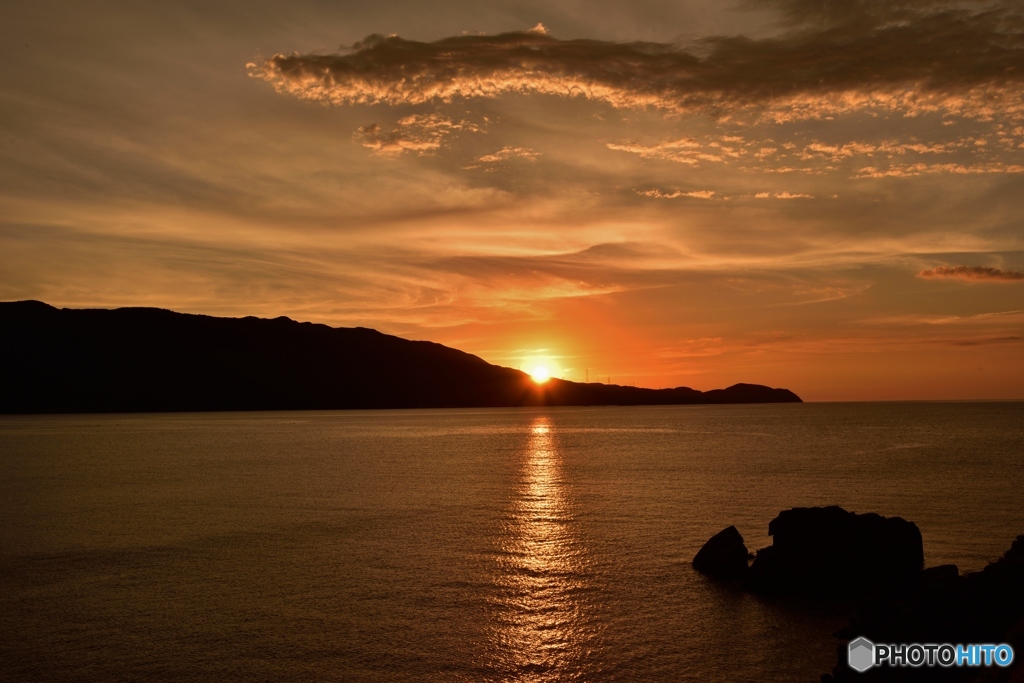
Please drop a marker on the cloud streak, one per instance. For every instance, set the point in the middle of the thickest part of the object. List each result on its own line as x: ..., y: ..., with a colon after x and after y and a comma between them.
x: 904, y: 57
x: 682, y: 150
x: 420, y: 134
x: 913, y: 170
x: 693, y: 194
x: 783, y: 195
x: 972, y: 274
x: 506, y: 153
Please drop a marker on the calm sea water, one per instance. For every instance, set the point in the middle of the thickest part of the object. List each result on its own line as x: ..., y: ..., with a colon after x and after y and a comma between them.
x: 459, y: 545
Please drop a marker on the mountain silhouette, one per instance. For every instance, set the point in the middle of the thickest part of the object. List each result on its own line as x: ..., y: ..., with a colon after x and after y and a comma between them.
x: 154, y: 360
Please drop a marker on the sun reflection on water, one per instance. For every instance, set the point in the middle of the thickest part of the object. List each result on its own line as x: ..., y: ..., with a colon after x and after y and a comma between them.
x: 541, y: 630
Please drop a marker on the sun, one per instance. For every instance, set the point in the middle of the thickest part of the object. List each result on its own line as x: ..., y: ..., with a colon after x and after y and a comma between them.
x: 540, y: 374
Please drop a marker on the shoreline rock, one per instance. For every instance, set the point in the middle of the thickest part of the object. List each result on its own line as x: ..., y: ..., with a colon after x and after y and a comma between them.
x: 828, y: 551
x: 823, y: 551
x: 877, y: 562
x: 942, y: 606
x: 724, y: 556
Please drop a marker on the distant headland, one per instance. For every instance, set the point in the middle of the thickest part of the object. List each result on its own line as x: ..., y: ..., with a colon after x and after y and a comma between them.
x: 155, y: 360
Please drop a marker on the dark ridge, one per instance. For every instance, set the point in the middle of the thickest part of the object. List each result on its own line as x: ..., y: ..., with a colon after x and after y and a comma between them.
x: 154, y: 360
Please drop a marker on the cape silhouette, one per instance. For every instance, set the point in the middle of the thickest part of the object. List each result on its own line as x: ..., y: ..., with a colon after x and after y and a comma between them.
x: 154, y: 360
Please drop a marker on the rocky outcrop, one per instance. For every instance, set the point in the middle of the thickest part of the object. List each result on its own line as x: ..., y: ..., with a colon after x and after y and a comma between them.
x: 831, y: 552
x: 824, y: 551
x: 877, y: 561
x: 940, y: 606
x: 724, y: 556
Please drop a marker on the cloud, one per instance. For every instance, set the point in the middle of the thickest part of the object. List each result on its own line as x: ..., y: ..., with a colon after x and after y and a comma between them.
x: 682, y: 150
x: 688, y: 150
x: 996, y: 318
x: 694, y: 194
x: 912, y: 170
x: 506, y: 153
x: 984, y: 341
x: 888, y: 158
x: 908, y: 57
x: 783, y: 195
x: 890, y: 148
x: 972, y: 274
x: 421, y: 134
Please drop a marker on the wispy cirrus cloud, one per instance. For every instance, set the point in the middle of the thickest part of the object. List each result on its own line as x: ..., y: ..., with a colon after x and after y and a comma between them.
x: 972, y: 274
x: 910, y: 57
x: 985, y: 341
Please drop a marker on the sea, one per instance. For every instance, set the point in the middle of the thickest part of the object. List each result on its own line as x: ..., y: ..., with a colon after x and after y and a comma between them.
x: 534, y: 544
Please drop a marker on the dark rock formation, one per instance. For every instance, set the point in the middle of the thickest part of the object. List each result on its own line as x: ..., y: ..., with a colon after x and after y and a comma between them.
x: 724, y: 556
x: 148, y: 359
x: 831, y: 552
x: 940, y: 606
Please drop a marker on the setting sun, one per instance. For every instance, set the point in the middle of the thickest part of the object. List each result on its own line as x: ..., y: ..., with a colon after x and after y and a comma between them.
x: 540, y: 374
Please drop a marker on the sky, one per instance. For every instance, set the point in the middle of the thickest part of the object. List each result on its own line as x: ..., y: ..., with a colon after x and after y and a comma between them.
x: 812, y: 194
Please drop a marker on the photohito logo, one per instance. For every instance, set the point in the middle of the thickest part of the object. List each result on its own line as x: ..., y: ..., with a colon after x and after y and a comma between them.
x: 862, y: 654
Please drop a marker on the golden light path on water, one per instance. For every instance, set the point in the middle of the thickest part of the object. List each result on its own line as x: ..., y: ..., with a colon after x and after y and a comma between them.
x: 541, y: 627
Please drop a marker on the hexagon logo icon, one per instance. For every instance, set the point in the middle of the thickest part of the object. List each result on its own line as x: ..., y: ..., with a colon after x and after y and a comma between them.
x: 861, y: 654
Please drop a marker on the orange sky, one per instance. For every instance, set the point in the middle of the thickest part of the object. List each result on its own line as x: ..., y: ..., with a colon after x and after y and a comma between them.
x: 823, y: 197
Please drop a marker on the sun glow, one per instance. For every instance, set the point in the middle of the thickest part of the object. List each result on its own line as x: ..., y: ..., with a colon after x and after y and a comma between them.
x: 540, y: 373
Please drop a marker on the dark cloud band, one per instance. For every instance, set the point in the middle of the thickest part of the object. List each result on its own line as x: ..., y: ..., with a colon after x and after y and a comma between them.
x: 911, y: 57
x: 974, y: 273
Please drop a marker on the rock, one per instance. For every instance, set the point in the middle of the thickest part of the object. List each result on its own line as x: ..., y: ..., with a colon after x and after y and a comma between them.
x: 941, y: 606
x: 724, y: 556
x: 831, y: 552
x: 941, y: 578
